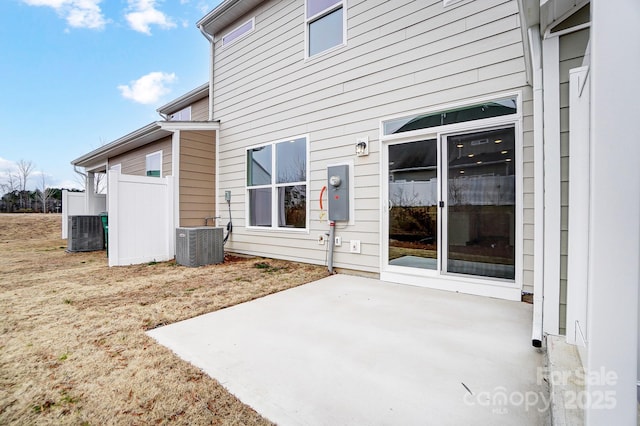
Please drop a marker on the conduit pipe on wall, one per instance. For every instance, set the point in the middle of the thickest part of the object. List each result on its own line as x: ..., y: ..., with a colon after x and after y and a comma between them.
x: 332, y: 237
x: 535, y: 46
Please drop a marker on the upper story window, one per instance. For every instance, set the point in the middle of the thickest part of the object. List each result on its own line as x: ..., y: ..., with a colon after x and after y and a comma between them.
x: 277, y: 182
x: 154, y: 164
x: 325, y: 25
x: 238, y: 32
x: 182, y: 115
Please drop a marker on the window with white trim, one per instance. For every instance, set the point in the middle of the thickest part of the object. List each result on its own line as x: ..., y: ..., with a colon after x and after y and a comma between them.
x: 238, y: 32
x: 325, y: 25
x: 182, y: 115
x: 154, y: 164
x: 277, y: 182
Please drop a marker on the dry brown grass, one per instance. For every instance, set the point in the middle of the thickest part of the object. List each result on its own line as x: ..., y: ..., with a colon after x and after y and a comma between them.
x: 73, y: 348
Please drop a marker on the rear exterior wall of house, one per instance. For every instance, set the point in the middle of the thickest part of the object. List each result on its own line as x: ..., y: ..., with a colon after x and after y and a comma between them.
x: 400, y: 57
x: 197, y: 177
x: 200, y: 110
x: 134, y: 161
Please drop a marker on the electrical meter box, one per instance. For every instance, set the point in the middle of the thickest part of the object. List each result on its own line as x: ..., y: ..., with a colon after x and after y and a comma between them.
x: 338, y: 192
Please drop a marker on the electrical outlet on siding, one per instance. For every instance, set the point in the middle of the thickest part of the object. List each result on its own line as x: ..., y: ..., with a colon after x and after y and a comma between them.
x: 354, y: 246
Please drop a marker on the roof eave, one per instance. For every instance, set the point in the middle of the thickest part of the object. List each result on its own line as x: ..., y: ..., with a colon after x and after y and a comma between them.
x: 225, y: 14
x: 143, y: 136
x: 149, y: 133
x: 185, y: 100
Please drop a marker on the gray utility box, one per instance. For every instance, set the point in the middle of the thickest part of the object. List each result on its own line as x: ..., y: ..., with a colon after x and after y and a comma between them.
x: 85, y: 233
x: 198, y: 246
x: 338, y: 192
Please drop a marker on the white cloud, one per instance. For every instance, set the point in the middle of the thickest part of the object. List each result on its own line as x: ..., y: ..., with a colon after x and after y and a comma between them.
x: 78, y: 13
x: 204, y: 7
x: 56, y: 4
x: 144, y: 14
x: 66, y: 184
x: 149, y: 88
x: 7, y: 166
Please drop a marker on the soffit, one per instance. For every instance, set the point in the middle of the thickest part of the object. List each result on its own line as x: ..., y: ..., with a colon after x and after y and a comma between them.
x: 553, y: 12
x: 226, y: 14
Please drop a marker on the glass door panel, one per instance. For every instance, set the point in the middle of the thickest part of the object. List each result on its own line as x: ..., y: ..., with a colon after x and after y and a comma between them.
x: 413, y: 204
x: 480, y: 214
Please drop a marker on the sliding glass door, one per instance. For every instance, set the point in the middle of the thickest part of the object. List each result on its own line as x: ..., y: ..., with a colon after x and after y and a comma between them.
x: 413, y: 204
x: 452, y: 204
x: 480, y: 199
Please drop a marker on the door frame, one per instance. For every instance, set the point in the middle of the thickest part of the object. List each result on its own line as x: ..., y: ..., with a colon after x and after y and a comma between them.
x: 438, y: 279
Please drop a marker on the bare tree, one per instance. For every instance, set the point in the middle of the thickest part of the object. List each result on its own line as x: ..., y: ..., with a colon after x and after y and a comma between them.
x: 24, y: 171
x: 10, y: 183
x: 99, y: 181
x: 45, y: 194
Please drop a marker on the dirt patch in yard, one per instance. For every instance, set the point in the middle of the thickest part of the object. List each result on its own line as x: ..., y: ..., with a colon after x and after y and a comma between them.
x: 73, y: 348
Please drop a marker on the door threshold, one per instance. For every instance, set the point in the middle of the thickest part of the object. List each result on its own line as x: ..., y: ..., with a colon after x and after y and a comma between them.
x: 458, y: 284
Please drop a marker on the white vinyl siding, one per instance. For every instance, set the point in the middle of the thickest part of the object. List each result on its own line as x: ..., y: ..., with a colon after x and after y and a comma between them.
x: 402, y: 57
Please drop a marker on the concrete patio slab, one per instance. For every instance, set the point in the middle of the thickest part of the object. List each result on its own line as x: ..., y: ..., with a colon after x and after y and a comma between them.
x: 353, y: 350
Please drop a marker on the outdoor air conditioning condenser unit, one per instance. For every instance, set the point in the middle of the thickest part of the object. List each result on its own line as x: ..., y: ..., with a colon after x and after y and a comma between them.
x: 198, y: 246
x: 85, y: 233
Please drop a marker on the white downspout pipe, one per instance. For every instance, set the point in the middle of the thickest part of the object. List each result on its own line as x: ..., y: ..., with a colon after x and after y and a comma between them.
x: 212, y: 47
x: 535, y: 47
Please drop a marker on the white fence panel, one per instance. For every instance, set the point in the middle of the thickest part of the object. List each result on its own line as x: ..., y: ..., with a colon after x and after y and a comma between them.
x: 73, y: 204
x: 579, y: 199
x: 141, y: 221
x: 79, y: 204
x: 99, y: 204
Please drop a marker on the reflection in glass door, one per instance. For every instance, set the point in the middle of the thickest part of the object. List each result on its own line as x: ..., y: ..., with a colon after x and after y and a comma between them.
x: 481, y: 203
x: 413, y: 204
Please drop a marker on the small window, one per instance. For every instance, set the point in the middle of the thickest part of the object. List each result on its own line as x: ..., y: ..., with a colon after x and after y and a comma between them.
x: 277, y: 184
x: 239, y: 32
x: 182, y: 115
x: 325, y: 25
x: 154, y: 164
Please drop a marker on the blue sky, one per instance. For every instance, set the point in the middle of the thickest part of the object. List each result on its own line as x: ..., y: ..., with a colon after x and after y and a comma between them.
x: 76, y: 74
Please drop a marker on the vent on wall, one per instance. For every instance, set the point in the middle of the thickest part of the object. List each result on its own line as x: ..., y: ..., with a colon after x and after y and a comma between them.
x: 198, y: 246
x: 85, y: 233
